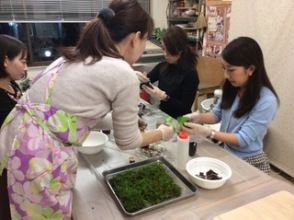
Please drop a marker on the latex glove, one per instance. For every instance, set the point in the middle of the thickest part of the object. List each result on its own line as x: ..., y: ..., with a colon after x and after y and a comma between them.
x: 193, y: 117
x: 142, y: 124
x: 155, y: 92
x: 142, y: 77
x: 166, y: 131
x: 197, y: 129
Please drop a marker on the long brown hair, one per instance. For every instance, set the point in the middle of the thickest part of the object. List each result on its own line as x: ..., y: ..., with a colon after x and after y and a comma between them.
x: 111, y: 26
x: 176, y: 42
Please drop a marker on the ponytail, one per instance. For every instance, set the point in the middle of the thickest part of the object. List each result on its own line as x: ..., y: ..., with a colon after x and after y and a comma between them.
x: 95, y: 42
x: 111, y: 26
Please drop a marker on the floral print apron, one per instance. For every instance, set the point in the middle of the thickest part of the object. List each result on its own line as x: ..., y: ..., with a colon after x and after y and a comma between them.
x: 41, y: 164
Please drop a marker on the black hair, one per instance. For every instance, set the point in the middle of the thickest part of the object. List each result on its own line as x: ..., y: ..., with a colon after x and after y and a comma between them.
x: 10, y: 47
x: 176, y: 42
x: 245, y: 52
x: 110, y: 26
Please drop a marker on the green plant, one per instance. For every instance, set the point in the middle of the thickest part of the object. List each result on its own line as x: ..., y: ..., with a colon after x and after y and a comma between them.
x: 176, y: 123
x: 144, y: 186
x: 25, y: 84
x: 158, y: 34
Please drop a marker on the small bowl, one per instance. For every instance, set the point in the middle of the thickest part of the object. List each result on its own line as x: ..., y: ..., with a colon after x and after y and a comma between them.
x: 207, y: 104
x: 204, y: 164
x: 190, y: 12
x: 94, y: 143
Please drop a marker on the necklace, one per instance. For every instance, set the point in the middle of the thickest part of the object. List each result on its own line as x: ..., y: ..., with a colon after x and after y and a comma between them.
x: 7, y: 88
x: 12, y: 91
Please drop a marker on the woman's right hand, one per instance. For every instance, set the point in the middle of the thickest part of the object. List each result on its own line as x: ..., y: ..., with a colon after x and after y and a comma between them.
x: 193, y: 117
x: 142, y: 77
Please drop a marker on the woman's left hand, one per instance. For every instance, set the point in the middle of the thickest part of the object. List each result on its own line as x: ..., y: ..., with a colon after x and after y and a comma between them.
x: 142, y: 77
x: 196, y: 129
x: 155, y: 92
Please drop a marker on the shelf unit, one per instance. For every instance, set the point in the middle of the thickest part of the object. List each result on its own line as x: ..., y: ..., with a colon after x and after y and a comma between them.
x: 178, y: 13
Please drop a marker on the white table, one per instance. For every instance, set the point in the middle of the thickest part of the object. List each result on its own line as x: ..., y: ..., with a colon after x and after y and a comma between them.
x: 92, y: 199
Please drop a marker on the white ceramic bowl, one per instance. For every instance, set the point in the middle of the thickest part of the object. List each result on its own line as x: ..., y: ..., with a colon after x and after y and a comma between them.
x: 207, y: 104
x: 204, y: 164
x: 94, y: 143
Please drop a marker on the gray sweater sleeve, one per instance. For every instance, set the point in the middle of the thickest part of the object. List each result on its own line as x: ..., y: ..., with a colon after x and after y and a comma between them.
x: 93, y: 91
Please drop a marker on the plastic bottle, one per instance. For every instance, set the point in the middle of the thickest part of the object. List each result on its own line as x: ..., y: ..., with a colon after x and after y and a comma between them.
x: 182, y: 156
x: 192, y: 148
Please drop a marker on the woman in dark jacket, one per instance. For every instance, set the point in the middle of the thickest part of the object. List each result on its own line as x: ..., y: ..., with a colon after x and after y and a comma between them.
x: 177, y: 76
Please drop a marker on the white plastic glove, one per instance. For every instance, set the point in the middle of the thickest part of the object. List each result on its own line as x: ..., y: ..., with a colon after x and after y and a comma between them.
x: 166, y: 131
x: 142, y: 77
x: 197, y: 129
x: 193, y: 117
x: 155, y: 92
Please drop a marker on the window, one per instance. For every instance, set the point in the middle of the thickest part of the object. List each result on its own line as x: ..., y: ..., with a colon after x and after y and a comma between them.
x: 46, y: 25
x: 43, y: 39
x: 54, y: 10
x: 50, y: 10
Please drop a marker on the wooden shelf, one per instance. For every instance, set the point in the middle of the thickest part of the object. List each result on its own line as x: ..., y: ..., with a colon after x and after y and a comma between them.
x: 189, y: 28
x: 177, y: 16
x: 187, y: 8
x: 175, y: 19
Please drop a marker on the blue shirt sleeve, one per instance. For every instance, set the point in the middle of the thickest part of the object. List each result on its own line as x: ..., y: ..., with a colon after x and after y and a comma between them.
x: 256, y: 125
x: 216, y: 110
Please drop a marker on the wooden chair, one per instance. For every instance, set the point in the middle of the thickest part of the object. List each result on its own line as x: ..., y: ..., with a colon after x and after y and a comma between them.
x: 211, y: 76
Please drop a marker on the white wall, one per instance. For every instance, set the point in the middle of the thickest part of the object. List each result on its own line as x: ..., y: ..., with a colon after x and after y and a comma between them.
x: 158, y: 13
x: 271, y: 23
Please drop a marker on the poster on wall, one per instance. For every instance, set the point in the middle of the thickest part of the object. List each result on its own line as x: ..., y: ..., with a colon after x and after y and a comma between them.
x: 218, y: 22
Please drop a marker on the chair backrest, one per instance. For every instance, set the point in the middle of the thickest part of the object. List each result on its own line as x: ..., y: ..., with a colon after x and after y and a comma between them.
x: 210, y: 72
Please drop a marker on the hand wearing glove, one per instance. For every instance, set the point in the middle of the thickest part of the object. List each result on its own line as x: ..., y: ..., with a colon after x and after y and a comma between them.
x: 197, y: 129
x: 142, y: 77
x: 193, y: 117
x: 166, y: 131
x: 155, y: 92
x: 142, y: 124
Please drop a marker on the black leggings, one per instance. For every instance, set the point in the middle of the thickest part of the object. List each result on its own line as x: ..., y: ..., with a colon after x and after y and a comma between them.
x: 4, y: 200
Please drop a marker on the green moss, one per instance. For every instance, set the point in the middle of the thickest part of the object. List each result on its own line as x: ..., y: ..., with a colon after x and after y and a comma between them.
x: 144, y: 186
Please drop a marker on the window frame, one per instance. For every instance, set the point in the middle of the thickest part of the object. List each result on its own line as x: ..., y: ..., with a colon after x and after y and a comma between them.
x: 27, y: 25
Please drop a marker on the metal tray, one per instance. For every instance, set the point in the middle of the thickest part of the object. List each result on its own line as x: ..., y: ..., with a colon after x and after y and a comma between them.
x: 188, y: 189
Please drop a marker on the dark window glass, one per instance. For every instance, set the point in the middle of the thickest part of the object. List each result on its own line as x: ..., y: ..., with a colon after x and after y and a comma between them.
x: 45, y: 26
x: 43, y: 39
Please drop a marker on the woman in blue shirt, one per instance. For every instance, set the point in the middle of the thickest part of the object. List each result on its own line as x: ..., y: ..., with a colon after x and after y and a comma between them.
x: 247, y: 106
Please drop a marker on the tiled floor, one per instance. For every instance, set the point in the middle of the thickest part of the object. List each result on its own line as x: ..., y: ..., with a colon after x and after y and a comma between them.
x: 276, y: 173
